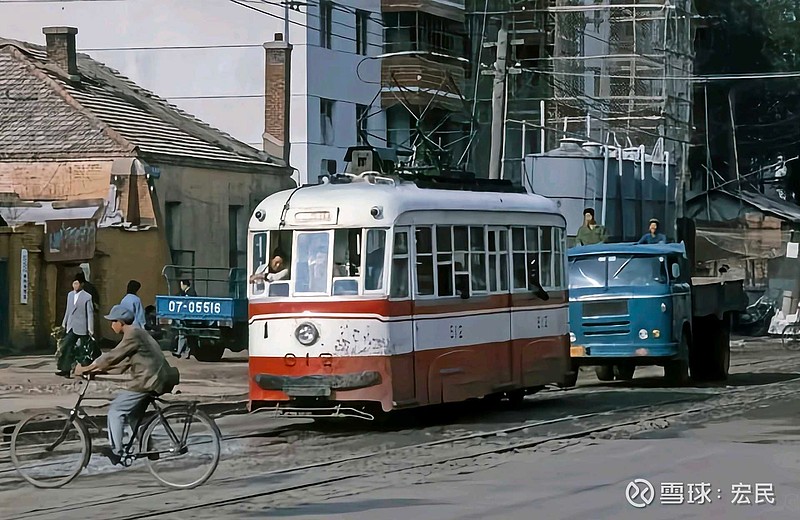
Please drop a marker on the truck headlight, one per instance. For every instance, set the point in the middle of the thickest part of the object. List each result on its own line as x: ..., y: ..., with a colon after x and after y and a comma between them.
x: 306, y: 333
x: 656, y: 333
x: 572, y: 337
x: 643, y: 334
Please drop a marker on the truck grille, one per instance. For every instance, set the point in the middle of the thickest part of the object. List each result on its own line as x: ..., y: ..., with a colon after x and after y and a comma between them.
x: 609, y: 328
x: 607, y: 308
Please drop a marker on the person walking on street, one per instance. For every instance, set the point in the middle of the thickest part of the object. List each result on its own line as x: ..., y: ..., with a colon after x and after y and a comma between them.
x: 186, y: 290
x: 133, y: 303
x: 653, y: 236
x: 150, y: 373
x: 78, y: 325
x: 590, y: 232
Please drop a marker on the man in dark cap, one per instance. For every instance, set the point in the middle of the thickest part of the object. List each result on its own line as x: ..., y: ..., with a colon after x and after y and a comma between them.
x: 653, y: 236
x: 150, y: 372
x: 590, y: 232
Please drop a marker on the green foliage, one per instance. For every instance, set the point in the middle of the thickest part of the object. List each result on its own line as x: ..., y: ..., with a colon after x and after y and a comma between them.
x: 741, y: 37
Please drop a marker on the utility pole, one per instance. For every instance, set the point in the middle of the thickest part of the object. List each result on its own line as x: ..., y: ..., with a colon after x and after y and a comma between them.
x: 498, y: 102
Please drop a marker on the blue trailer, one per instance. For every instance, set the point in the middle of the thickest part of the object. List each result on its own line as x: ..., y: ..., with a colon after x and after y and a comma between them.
x: 213, y: 320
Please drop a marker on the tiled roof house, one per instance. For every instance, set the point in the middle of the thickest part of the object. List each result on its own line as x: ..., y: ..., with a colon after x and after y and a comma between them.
x: 79, y: 141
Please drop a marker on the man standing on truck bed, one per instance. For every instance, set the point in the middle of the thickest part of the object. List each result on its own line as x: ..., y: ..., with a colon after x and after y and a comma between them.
x: 653, y: 236
x: 590, y: 232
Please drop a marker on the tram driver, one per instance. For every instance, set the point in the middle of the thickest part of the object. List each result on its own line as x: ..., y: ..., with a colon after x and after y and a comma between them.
x: 272, y: 272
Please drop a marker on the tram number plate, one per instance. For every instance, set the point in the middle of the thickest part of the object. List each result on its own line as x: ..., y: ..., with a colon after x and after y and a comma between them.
x: 577, y: 351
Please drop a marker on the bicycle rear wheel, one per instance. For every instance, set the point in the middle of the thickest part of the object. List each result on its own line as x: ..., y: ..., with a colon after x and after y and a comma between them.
x: 191, y: 460
x: 791, y: 337
x: 49, y: 448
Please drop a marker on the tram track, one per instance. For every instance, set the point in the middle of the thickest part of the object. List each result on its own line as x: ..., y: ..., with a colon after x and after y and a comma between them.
x: 526, y: 444
x: 86, y: 507
x: 504, y: 433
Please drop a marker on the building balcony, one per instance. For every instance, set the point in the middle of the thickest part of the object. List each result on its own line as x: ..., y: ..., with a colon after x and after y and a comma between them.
x: 420, y: 81
x: 450, y: 9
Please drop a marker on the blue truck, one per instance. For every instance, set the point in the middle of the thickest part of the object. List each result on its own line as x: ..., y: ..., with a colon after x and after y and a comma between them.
x: 213, y: 320
x: 636, y: 305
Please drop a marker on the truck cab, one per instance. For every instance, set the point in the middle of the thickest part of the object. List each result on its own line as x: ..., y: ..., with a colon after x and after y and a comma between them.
x: 630, y: 305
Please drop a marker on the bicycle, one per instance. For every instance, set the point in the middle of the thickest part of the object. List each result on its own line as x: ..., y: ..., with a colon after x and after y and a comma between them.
x: 58, y: 444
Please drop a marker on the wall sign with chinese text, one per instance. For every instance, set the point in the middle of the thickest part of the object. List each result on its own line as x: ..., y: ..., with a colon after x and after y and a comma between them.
x: 69, y: 240
x: 23, y: 276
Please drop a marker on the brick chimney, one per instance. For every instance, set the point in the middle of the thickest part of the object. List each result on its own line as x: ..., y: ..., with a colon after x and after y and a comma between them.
x: 61, y: 49
x: 277, y: 94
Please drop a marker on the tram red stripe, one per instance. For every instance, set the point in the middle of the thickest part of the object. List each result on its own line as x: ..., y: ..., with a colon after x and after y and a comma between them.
x: 430, y: 376
x: 407, y: 307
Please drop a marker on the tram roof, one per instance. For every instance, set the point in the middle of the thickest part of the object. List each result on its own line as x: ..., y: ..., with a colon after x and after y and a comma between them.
x: 354, y: 201
x: 627, y: 248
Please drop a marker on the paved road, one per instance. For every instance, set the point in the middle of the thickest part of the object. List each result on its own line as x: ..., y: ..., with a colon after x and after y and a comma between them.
x: 554, y: 457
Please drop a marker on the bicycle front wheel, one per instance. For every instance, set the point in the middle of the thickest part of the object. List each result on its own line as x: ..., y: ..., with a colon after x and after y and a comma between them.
x: 49, y: 448
x: 182, y: 448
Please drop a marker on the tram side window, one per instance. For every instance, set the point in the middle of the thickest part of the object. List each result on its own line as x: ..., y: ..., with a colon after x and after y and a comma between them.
x: 546, y: 255
x: 424, y: 261
x: 558, y: 261
x: 461, y: 259
x: 532, y: 249
x: 399, y: 287
x: 518, y: 257
x: 375, y: 259
x: 498, y: 260
x: 444, y: 260
x: 477, y: 257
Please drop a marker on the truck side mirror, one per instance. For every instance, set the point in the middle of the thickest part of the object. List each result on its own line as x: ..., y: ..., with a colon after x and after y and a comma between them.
x: 535, y: 284
x: 676, y: 271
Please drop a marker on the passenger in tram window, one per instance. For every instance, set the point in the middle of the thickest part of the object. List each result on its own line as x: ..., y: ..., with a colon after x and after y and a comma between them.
x: 277, y: 269
x: 590, y: 232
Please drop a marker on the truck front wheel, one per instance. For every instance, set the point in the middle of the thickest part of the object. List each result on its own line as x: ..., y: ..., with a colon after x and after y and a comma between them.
x: 676, y: 372
x: 605, y: 372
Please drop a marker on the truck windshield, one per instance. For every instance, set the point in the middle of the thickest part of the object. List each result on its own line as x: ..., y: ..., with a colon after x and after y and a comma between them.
x: 616, y: 271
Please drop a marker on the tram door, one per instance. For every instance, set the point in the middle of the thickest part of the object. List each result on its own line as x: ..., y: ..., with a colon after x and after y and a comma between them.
x: 499, y: 288
x: 404, y: 379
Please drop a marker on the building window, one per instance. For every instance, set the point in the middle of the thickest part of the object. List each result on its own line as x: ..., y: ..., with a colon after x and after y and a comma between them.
x: 237, y: 252
x: 326, y: 120
x: 325, y: 19
x: 172, y: 227
x: 362, y: 112
x: 362, y: 19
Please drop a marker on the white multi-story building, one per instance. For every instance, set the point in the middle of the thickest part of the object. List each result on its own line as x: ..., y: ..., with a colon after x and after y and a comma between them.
x: 207, y: 57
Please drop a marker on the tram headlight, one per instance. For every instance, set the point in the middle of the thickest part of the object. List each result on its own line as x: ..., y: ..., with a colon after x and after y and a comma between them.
x: 643, y: 334
x: 306, y: 333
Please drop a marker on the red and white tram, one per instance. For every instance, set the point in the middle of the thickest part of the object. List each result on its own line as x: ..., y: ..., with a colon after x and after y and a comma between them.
x: 400, y: 295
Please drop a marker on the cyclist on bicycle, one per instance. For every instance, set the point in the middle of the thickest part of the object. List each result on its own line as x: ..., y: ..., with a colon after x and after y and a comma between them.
x: 150, y: 371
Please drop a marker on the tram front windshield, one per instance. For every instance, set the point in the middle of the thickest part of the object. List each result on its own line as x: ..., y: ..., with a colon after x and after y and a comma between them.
x: 341, y: 262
